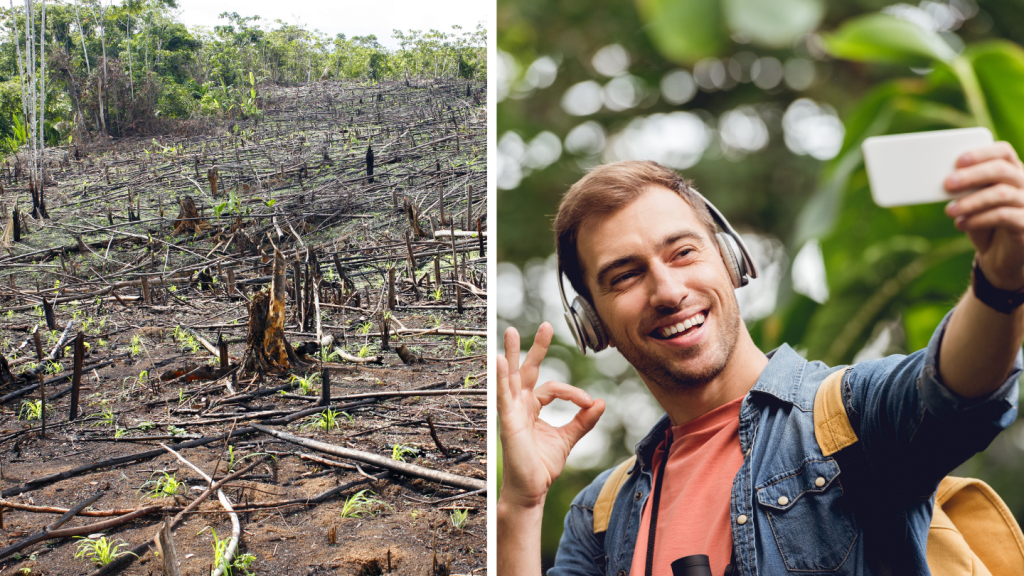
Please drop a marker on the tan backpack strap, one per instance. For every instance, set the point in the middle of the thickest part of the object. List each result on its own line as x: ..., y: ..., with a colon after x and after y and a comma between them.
x: 606, y: 499
x: 972, y: 526
x: 832, y: 426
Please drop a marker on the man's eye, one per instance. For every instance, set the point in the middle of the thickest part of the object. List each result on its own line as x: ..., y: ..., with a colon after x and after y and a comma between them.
x: 684, y: 252
x: 623, y: 277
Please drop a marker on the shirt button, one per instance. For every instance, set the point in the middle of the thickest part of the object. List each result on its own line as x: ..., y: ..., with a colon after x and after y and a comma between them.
x: 638, y: 495
x: 819, y: 482
x: 621, y: 573
x: 783, y: 500
x: 741, y: 519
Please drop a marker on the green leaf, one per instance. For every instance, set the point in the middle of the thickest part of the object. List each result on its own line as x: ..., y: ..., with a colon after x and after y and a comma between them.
x: 773, y: 23
x: 684, y: 30
x: 887, y: 39
x: 999, y: 66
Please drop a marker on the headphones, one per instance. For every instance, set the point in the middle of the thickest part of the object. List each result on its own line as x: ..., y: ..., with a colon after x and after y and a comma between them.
x: 583, y: 321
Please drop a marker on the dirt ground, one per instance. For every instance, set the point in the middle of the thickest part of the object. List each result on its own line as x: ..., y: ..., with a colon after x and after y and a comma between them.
x: 293, y: 180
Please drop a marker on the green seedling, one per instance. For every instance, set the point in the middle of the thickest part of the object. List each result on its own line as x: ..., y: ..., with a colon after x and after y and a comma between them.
x: 175, y: 431
x: 163, y: 487
x: 326, y: 420
x: 437, y: 294
x: 466, y: 345
x: 306, y: 384
x: 468, y: 380
x: 219, y: 547
x: 460, y: 518
x: 364, y: 328
x: 101, y: 551
x: 135, y: 346
x: 364, y: 351
x: 186, y: 341
x: 356, y: 505
x: 400, y: 451
x: 31, y: 410
x: 329, y: 355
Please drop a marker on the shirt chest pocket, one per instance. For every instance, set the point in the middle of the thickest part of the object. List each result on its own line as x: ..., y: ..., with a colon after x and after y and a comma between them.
x: 804, y: 512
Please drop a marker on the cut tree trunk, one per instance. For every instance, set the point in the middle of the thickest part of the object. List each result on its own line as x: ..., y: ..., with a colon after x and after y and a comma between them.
x: 188, y: 218
x: 266, y: 347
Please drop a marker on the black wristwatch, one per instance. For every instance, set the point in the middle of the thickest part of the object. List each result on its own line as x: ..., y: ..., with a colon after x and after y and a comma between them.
x: 1003, y: 301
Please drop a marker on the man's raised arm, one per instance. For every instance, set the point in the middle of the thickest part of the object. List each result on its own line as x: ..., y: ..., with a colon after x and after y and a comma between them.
x: 533, y: 451
x: 980, y: 343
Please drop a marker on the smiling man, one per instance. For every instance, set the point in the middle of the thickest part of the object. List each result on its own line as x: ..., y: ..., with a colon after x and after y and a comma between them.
x: 738, y: 469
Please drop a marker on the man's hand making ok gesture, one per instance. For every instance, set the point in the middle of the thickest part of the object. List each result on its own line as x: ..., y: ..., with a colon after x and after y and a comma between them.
x: 533, y: 451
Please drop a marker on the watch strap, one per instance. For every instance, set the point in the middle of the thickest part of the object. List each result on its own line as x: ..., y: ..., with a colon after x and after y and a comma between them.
x: 1000, y: 300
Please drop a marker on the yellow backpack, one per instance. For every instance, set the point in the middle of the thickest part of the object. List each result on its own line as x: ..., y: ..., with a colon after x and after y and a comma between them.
x: 973, y: 532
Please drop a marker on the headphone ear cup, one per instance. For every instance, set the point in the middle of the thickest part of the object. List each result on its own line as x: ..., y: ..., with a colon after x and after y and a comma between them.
x: 591, y: 330
x: 734, y: 261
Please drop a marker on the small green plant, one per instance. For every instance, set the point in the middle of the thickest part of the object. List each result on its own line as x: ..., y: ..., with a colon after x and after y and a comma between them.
x: 146, y: 426
x: 243, y: 562
x: 326, y: 420
x: 306, y: 383
x: 364, y: 351
x: 106, y: 416
x: 186, y: 341
x: 175, y: 431
x: 460, y: 518
x: 135, y: 346
x: 54, y: 367
x: 329, y: 355
x: 365, y: 327
x: 356, y: 505
x: 437, y: 294
x: 31, y: 410
x: 466, y: 345
x: 468, y: 380
x: 101, y: 551
x: 119, y: 432
x: 219, y: 547
x: 400, y: 451
x: 163, y: 487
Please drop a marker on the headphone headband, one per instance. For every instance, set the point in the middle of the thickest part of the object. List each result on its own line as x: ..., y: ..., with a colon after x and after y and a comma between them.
x: 583, y: 320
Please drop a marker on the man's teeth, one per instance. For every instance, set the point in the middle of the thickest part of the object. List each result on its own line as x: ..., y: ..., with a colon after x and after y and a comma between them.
x: 695, y: 320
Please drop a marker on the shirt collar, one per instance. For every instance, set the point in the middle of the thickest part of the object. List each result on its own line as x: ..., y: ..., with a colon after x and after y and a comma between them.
x: 780, y: 378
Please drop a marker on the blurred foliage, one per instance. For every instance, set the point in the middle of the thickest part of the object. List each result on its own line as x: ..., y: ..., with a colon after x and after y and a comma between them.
x: 891, y: 273
x: 158, y: 69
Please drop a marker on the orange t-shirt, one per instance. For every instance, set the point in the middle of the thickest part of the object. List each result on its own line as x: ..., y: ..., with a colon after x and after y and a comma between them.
x: 693, y: 512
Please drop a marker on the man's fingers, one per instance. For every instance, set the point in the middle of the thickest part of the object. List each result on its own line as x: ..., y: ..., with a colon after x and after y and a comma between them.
x: 584, y: 422
x: 987, y: 199
x: 504, y: 392
x: 996, y: 150
x: 559, y: 390
x: 512, y: 349
x: 531, y: 366
x: 998, y: 170
x: 1010, y: 217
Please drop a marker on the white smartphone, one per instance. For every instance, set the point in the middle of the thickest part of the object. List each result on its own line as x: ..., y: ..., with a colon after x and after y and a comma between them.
x: 911, y: 168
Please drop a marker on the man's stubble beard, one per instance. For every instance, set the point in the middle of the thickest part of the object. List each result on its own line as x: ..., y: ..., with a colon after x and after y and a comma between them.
x: 664, y: 371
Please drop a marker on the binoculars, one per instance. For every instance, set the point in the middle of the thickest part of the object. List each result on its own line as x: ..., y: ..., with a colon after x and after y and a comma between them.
x: 694, y: 565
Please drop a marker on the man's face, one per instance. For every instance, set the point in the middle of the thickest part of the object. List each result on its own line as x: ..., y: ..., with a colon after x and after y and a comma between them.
x: 662, y: 291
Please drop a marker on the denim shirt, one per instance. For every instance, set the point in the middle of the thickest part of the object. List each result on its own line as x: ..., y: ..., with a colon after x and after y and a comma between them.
x: 913, y: 429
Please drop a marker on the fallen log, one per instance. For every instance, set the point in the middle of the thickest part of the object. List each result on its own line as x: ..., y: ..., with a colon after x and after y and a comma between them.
x: 379, y: 461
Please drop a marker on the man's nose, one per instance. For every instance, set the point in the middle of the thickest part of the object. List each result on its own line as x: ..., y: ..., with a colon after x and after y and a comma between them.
x: 666, y: 288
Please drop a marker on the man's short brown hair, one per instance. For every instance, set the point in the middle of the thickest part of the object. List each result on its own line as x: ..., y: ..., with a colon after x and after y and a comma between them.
x: 607, y: 189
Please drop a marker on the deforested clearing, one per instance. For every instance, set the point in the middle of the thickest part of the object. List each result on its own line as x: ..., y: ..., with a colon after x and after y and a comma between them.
x: 289, y: 308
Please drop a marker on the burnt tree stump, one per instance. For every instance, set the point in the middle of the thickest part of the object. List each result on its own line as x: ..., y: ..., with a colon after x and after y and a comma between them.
x: 266, y: 347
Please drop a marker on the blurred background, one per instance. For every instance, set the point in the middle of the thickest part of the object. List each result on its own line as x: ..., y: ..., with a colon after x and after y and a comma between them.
x: 764, y: 105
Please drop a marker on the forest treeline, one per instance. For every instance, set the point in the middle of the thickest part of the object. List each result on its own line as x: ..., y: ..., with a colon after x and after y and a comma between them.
x: 98, y: 68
